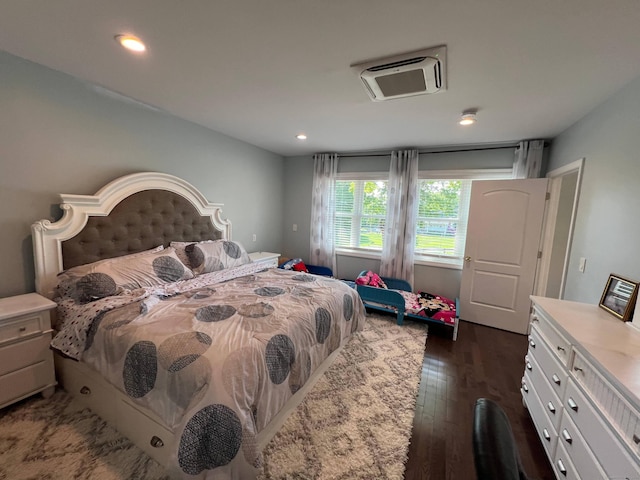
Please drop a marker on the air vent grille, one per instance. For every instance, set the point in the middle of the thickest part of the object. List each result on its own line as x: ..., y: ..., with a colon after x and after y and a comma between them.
x: 413, y: 73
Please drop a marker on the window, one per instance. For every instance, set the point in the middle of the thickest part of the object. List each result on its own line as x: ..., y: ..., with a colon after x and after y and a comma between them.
x: 441, y: 223
x: 361, y: 208
x: 441, y: 226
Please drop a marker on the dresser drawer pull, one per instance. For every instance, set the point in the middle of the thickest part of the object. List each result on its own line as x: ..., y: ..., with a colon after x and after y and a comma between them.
x: 561, y: 468
x: 560, y: 349
x: 85, y: 391
x: 22, y: 329
x: 534, y: 319
x: 636, y: 439
x: 532, y: 344
x: 156, y: 442
x: 546, y: 435
x: 572, y: 404
x: 525, y: 388
x: 556, y: 379
x: 529, y: 367
x: 567, y: 436
x: 551, y: 408
x: 577, y: 369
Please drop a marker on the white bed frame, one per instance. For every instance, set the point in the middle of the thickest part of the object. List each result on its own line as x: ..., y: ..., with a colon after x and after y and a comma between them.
x: 143, y: 427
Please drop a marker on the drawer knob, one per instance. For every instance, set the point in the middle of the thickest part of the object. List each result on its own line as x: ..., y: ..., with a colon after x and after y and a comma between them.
x: 525, y: 388
x: 561, y: 467
x: 532, y: 344
x: 636, y: 439
x: 551, y: 407
x: 156, y: 442
x: 534, y: 319
x: 572, y: 404
x: 578, y: 369
x: 546, y: 435
x: 567, y: 436
x: 529, y: 367
x: 22, y: 329
x: 556, y: 379
x: 560, y: 349
x: 85, y: 390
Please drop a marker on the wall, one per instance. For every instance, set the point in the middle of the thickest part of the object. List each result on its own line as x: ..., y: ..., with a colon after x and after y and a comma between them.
x: 297, y: 209
x: 58, y: 135
x: 607, y: 227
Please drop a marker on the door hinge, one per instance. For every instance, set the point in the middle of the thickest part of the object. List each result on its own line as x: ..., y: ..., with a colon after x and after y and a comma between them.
x: 547, y: 196
x: 540, y: 254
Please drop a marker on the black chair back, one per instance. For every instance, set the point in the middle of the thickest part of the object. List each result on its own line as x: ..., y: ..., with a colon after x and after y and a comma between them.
x: 495, y: 452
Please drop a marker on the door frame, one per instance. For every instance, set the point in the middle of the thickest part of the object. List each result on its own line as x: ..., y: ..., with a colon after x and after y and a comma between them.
x: 549, y: 223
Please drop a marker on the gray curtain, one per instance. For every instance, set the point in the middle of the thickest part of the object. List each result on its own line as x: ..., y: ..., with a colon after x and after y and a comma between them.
x: 528, y: 159
x: 323, y: 212
x: 398, y: 246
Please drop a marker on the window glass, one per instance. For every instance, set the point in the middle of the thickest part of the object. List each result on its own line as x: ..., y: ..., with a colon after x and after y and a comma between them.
x: 361, y: 207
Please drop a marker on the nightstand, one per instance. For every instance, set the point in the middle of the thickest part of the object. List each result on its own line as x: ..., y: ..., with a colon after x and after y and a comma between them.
x: 26, y: 361
x: 269, y: 259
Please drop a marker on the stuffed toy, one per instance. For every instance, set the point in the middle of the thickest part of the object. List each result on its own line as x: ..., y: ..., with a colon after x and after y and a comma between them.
x: 371, y: 279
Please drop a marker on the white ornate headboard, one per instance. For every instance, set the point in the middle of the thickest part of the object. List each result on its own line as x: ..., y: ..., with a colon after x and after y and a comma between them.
x: 132, y: 213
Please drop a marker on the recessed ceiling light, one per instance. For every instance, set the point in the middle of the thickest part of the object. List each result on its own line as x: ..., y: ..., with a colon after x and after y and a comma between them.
x: 467, y: 118
x: 301, y: 136
x: 131, y: 42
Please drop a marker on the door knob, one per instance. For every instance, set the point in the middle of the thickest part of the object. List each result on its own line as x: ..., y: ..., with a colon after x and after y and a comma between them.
x: 467, y: 259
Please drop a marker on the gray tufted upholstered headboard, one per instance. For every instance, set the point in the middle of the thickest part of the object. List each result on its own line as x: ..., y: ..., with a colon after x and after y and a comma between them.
x: 132, y: 213
x: 141, y: 221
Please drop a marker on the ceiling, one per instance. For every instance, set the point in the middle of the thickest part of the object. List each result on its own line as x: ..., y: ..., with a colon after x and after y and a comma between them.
x: 263, y: 71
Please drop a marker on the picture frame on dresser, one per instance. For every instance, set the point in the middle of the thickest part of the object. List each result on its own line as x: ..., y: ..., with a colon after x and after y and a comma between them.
x: 619, y: 297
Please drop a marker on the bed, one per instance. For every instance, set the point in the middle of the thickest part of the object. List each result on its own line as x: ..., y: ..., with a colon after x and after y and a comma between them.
x: 169, y: 332
x: 395, y: 296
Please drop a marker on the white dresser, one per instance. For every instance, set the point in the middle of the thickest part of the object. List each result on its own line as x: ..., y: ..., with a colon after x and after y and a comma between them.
x: 26, y: 361
x: 581, y: 385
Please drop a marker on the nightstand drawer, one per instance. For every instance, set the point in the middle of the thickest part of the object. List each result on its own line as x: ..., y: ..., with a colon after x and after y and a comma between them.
x: 28, y: 352
x: 23, y: 326
x: 26, y: 381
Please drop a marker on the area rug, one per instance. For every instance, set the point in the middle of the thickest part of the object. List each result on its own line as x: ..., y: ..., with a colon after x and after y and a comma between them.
x: 355, y: 423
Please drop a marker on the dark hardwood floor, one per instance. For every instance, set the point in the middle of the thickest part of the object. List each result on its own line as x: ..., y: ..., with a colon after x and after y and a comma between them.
x: 483, y: 362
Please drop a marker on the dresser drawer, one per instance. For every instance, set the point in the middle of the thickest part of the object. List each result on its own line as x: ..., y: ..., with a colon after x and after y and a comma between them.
x: 563, y: 466
x: 544, y: 427
x: 584, y: 461
x: 24, y: 326
x: 624, y: 418
x: 16, y: 356
x: 26, y: 381
x: 608, y: 449
x: 552, y: 369
x: 558, y: 344
x: 551, y: 403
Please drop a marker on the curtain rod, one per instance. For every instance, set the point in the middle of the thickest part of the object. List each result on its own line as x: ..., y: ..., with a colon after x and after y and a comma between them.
x: 357, y: 155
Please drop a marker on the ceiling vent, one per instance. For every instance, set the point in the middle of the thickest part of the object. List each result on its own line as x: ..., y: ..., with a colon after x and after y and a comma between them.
x: 414, y: 73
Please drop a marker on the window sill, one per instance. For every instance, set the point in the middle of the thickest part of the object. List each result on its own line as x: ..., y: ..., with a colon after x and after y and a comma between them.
x: 419, y: 260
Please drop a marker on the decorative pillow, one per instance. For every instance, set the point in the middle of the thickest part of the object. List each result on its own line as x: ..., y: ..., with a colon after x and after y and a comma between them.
x: 181, y: 246
x: 206, y: 257
x: 371, y: 279
x: 86, y: 283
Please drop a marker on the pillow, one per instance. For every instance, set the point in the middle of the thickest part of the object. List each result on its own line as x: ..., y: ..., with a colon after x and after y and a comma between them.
x: 371, y: 279
x: 180, y: 249
x: 86, y: 283
x: 206, y: 257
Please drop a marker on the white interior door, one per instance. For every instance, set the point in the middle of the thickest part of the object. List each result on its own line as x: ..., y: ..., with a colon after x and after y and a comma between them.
x: 501, y: 252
